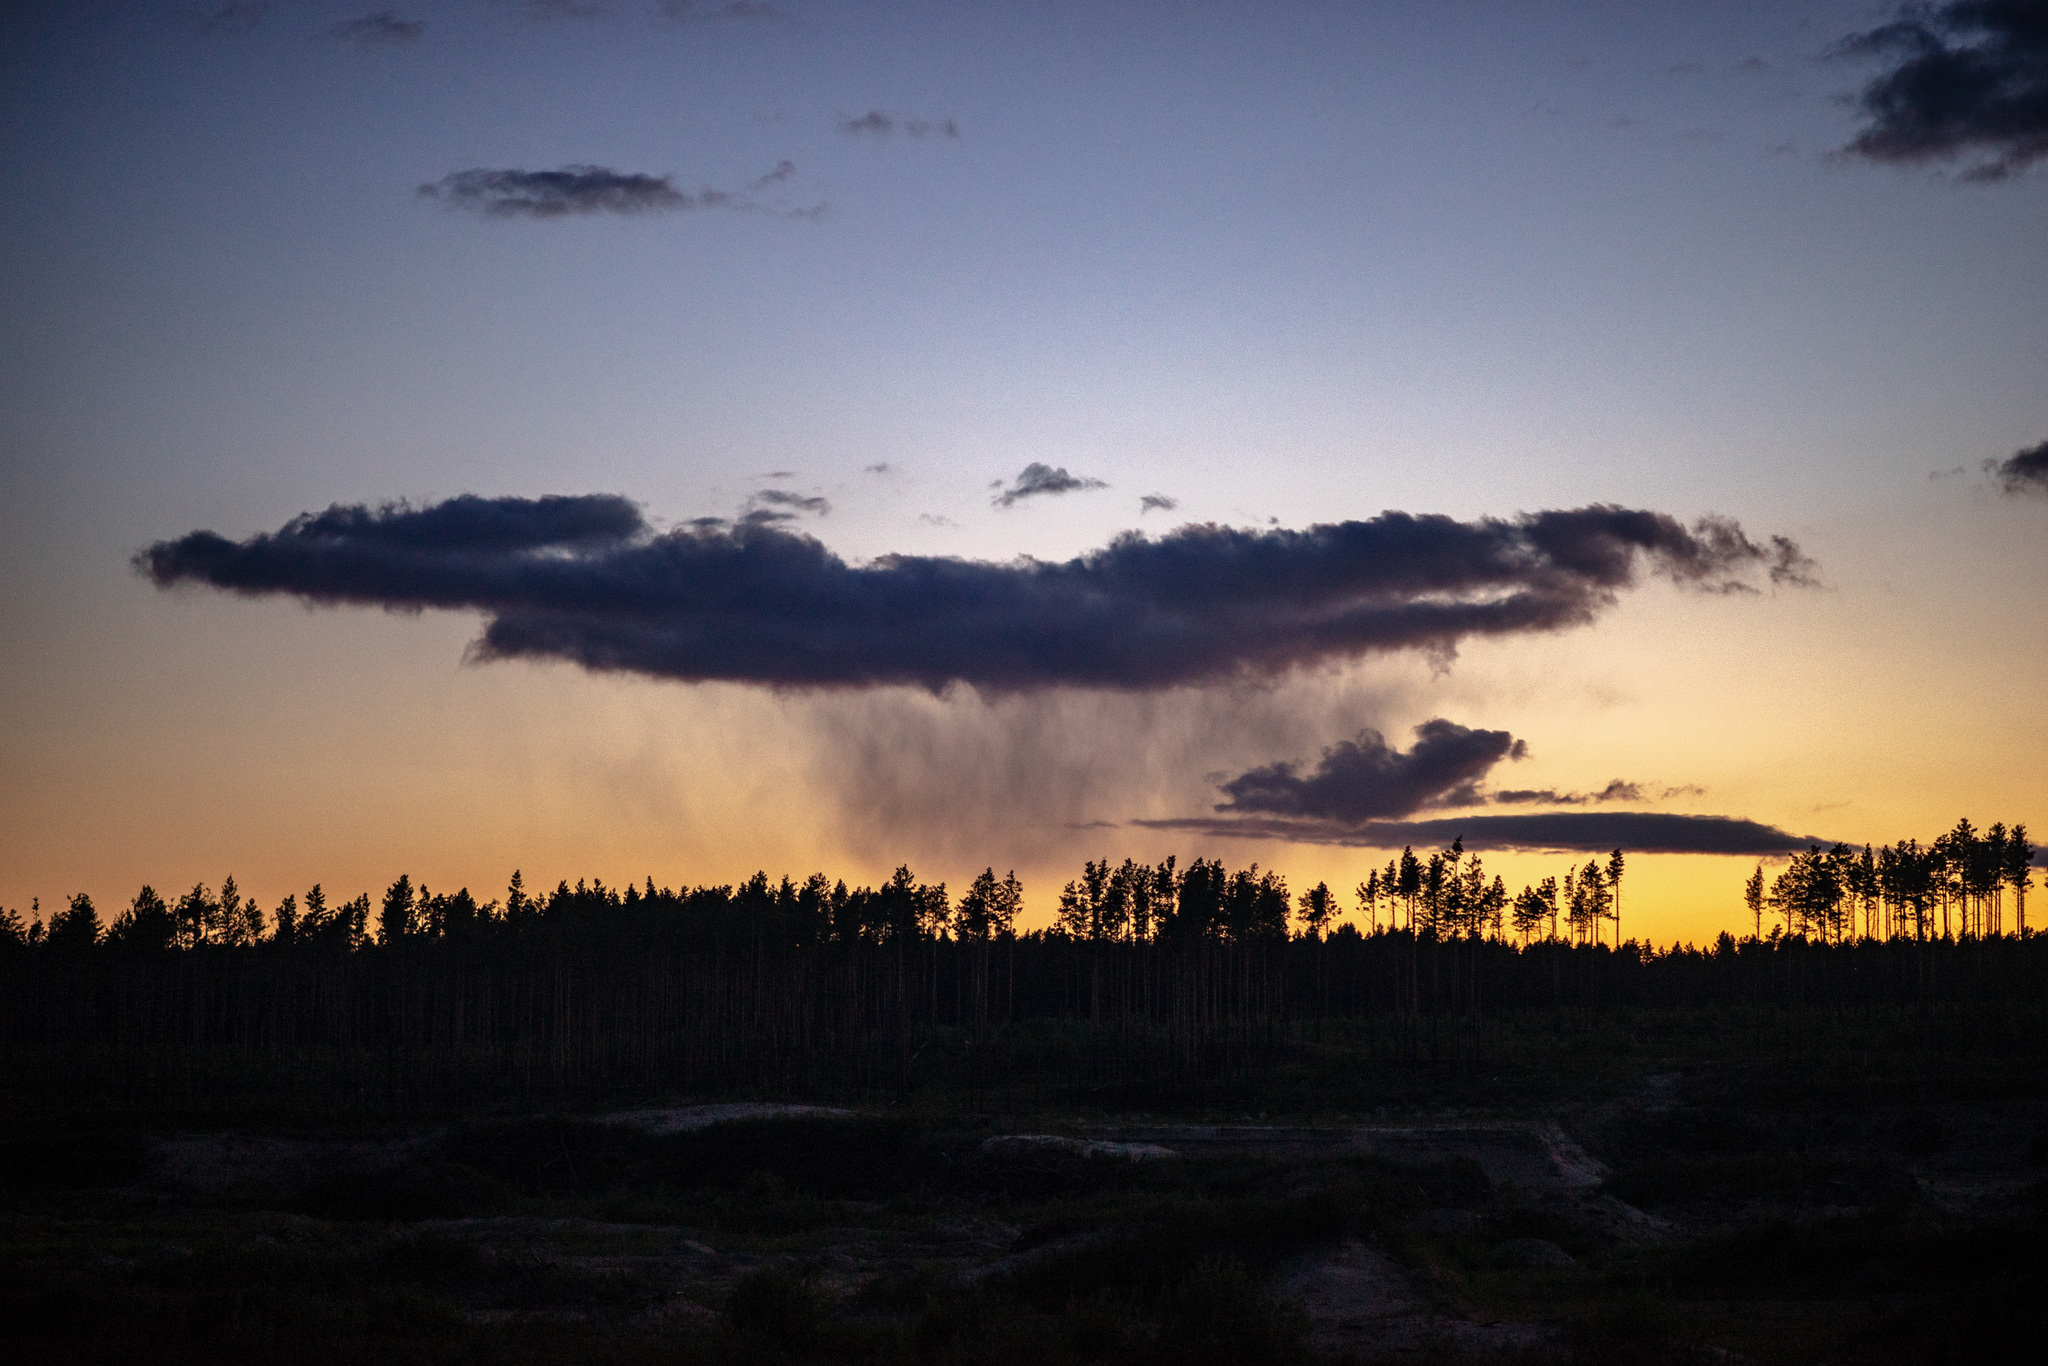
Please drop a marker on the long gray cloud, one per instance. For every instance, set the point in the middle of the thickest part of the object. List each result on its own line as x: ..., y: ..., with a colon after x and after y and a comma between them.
x: 1965, y: 79
x: 1649, y: 832
x: 2023, y: 471
x: 1364, y: 779
x: 571, y: 190
x: 585, y: 579
x: 598, y: 189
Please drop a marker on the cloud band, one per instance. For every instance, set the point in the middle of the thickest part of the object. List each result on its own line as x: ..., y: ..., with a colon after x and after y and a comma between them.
x: 585, y: 579
x: 1648, y: 832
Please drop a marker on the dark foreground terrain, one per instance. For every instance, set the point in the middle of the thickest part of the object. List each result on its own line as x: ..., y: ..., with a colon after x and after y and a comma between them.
x: 1631, y: 1190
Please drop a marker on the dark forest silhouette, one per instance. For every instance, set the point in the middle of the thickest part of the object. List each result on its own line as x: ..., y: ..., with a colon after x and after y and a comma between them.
x: 1954, y: 887
x: 1164, y: 971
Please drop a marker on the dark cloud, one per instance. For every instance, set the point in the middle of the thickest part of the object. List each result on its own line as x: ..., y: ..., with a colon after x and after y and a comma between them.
x: 1615, y: 791
x: 1964, y: 79
x: 879, y: 467
x: 1647, y: 832
x: 585, y: 579
x: 239, y: 16
x: 1036, y: 480
x: 882, y: 123
x: 1366, y: 779
x: 382, y: 29
x: 1156, y: 502
x: 793, y: 502
x: 1682, y: 790
x: 2023, y: 471
x: 784, y: 170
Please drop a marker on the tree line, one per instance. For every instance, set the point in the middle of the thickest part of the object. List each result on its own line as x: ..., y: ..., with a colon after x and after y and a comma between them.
x: 1146, y: 971
x: 1954, y: 887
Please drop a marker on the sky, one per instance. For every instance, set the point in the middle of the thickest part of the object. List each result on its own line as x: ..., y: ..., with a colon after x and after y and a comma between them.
x: 637, y: 439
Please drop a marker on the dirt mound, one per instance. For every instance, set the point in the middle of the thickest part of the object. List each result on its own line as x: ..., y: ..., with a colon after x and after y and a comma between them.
x: 1363, y: 1304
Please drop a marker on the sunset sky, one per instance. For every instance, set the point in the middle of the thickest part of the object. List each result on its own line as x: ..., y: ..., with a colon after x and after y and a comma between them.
x: 1367, y: 297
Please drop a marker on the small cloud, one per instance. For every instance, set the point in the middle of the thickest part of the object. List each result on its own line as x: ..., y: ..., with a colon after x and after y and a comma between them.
x: 540, y: 11
x: 1037, y: 480
x: 1784, y: 148
x: 1095, y: 825
x: 2022, y: 472
x: 1156, y: 502
x: 882, y: 123
x: 685, y: 12
x: 879, y: 467
x: 1618, y: 790
x: 238, y: 16
x: 382, y: 29
x: 1791, y: 567
x: 780, y: 474
x: 1365, y: 779
x: 934, y: 519
x: 764, y: 517
x: 1682, y: 790
x: 784, y: 170
x: 1953, y: 472
x: 1752, y: 64
x: 793, y: 503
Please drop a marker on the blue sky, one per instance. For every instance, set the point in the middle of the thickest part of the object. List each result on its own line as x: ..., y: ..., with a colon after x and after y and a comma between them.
x: 1285, y: 264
